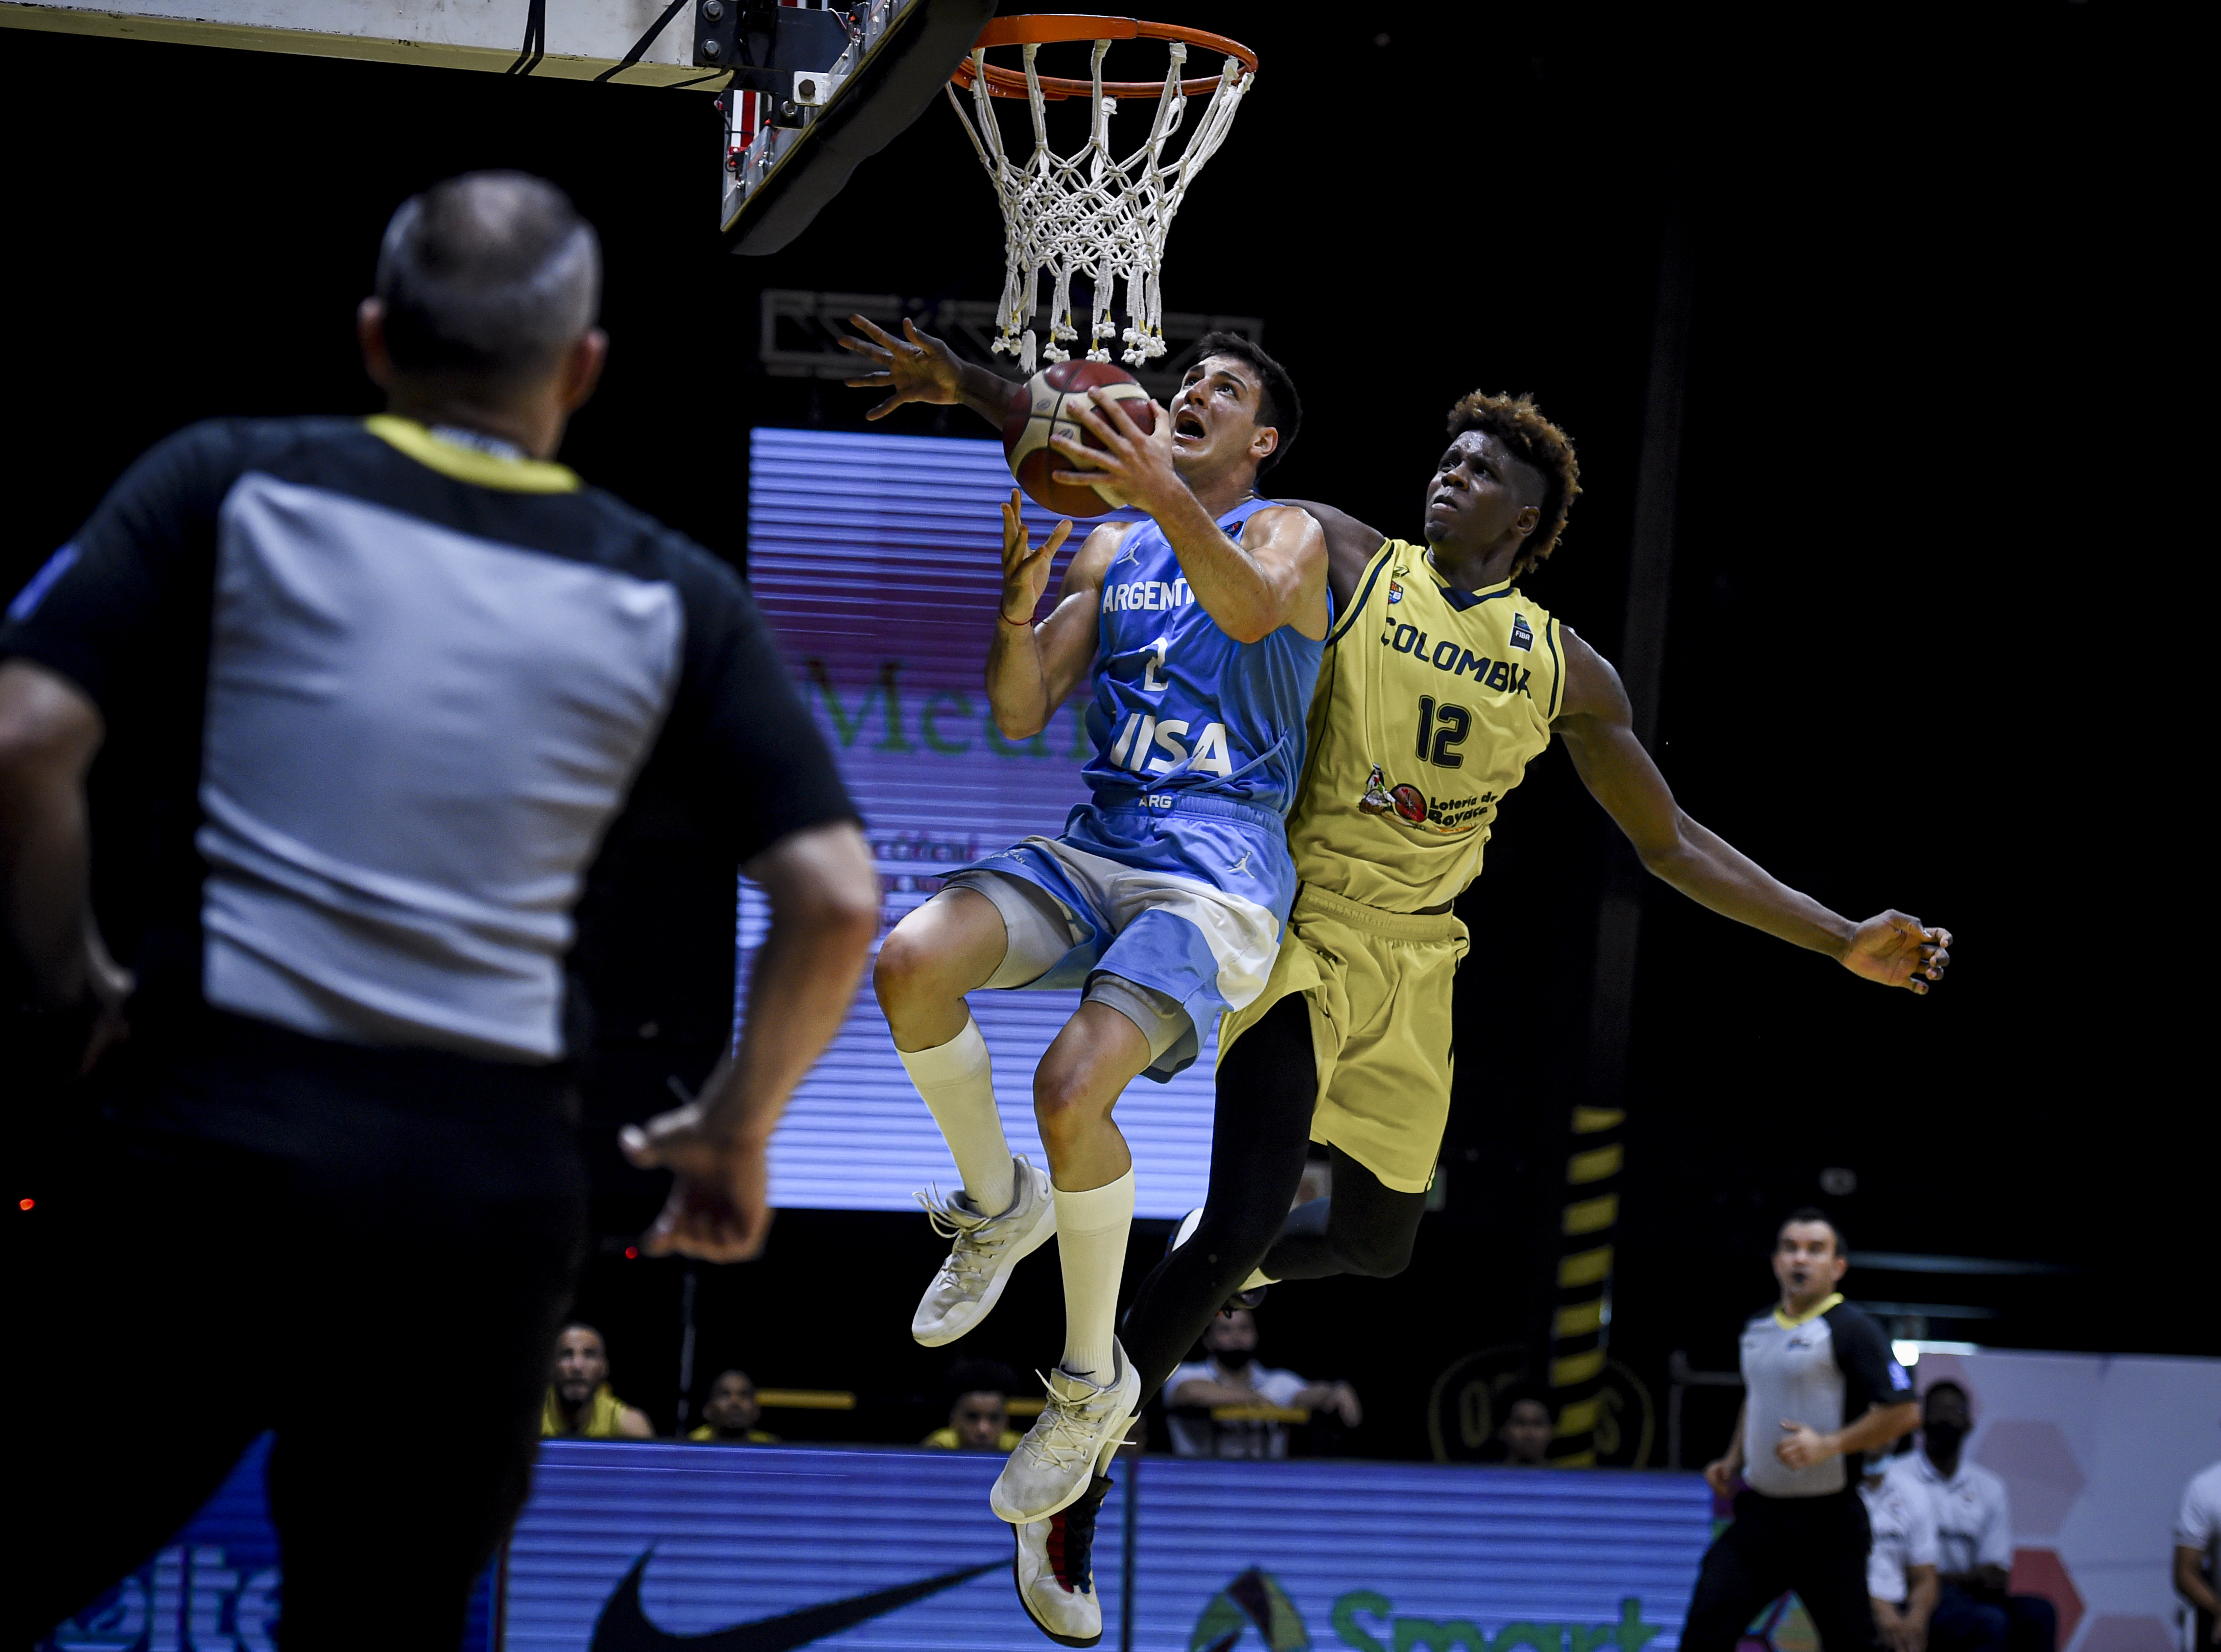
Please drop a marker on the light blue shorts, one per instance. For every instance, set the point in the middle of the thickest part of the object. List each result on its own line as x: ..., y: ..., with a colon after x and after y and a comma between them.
x: 1183, y: 898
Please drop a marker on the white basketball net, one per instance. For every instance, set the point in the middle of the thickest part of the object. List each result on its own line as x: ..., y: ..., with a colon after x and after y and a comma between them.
x: 1105, y: 219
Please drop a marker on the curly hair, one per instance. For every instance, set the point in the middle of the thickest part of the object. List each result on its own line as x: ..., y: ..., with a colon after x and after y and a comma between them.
x: 1516, y: 422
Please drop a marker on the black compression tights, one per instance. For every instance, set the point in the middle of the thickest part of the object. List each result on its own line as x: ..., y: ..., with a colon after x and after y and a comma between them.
x: 1260, y: 1134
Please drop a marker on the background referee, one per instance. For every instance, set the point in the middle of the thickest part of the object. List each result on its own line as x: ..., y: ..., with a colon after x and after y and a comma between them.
x: 1820, y: 1389
x: 376, y: 691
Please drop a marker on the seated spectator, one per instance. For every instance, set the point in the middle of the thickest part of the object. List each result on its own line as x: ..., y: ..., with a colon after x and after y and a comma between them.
x: 730, y: 1416
x: 1973, y: 1534
x: 1901, y: 1565
x: 579, y: 1404
x: 1526, y: 1432
x: 979, y: 1409
x: 2197, y: 1556
x: 1231, y: 1375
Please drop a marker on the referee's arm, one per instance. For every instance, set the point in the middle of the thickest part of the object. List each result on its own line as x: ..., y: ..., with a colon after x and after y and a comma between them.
x: 762, y: 776
x: 50, y: 731
x: 824, y: 901
x: 1801, y: 1447
x: 1720, y: 1473
x: 824, y: 898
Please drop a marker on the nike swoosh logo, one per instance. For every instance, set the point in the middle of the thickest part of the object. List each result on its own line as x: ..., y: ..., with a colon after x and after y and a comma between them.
x: 624, y: 1627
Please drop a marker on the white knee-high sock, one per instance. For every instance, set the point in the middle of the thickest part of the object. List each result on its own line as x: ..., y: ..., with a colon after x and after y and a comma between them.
x: 958, y: 1087
x: 1091, y: 1241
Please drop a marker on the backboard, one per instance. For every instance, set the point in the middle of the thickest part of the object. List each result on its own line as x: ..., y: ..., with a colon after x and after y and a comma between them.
x: 805, y: 90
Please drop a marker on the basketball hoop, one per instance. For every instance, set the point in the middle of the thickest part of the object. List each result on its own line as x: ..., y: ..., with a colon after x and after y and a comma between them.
x: 1090, y: 213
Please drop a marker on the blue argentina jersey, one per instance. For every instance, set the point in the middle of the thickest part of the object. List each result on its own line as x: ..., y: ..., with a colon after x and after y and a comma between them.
x: 1177, y: 878
x: 1179, y: 706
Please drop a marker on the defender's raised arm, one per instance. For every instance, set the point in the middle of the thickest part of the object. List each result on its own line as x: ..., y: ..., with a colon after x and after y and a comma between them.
x: 919, y: 368
x: 1597, y: 724
x: 1350, y: 546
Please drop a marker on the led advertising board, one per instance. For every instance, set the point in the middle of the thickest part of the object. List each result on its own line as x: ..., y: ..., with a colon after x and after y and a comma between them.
x: 636, y: 1549
x: 642, y: 1547
x: 877, y: 561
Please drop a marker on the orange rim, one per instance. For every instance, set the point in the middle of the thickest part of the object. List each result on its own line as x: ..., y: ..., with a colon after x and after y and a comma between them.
x: 1056, y: 28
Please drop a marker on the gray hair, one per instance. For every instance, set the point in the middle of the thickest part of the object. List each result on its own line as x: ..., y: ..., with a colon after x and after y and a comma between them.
x: 490, y: 275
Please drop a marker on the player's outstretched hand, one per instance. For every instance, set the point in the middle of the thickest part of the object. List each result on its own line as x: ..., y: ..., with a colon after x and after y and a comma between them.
x: 1135, y: 462
x: 917, y: 368
x: 1025, y: 569
x: 1896, y: 950
x: 720, y: 1205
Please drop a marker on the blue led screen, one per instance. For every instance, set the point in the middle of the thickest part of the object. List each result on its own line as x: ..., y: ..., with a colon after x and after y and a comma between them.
x: 217, y: 1585
x: 877, y: 561
x: 631, y: 1548
x: 1376, y: 1557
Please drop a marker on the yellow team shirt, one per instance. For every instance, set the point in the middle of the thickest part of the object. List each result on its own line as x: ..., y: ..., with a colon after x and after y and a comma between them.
x: 1431, y: 702
x: 949, y: 1440
x: 601, y: 1418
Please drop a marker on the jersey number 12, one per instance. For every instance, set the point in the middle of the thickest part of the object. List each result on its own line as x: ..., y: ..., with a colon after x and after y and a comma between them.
x: 1442, y: 728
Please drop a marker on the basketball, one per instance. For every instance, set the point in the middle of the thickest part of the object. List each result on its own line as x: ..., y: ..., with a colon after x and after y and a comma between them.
x: 1037, y: 414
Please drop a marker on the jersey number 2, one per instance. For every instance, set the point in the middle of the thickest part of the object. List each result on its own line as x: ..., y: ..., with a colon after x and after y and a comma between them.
x: 1441, y: 728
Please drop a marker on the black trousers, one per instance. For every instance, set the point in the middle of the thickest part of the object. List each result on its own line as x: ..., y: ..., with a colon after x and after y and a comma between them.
x: 1260, y: 1137
x: 1966, y: 1621
x: 368, y: 1251
x: 1816, y: 1545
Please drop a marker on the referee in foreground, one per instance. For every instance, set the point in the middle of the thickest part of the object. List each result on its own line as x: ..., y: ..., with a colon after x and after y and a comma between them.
x: 382, y: 686
x: 1820, y: 1389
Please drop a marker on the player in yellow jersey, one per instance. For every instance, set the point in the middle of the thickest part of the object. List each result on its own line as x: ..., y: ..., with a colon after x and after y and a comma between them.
x: 1441, y: 681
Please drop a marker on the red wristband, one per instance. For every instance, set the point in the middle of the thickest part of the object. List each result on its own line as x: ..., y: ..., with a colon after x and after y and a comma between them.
x: 1007, y: 620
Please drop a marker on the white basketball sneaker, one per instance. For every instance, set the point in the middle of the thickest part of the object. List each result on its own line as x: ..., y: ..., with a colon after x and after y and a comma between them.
x: 1054, y: 1570
x: 987, y: 1248
x: 1082, y: 1424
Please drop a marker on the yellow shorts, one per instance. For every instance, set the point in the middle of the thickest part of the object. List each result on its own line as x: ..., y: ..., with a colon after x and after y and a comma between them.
x: 1378, y: 984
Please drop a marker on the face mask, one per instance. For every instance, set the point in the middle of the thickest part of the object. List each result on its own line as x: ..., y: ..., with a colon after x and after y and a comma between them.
x: 1944, y: 1438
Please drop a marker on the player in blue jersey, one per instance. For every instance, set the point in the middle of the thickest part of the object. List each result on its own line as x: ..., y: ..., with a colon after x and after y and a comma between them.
x: 1165, y: 896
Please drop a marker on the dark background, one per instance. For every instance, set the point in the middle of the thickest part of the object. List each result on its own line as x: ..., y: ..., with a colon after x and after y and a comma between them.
x: 1901, y: 669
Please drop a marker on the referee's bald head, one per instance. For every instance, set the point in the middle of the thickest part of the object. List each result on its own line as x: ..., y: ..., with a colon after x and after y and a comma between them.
x: 491, y: 276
